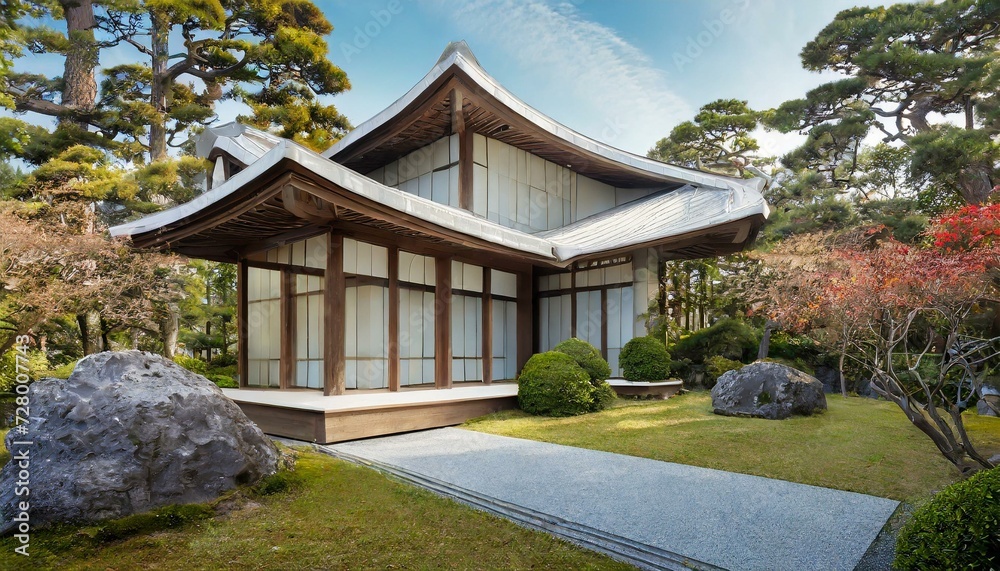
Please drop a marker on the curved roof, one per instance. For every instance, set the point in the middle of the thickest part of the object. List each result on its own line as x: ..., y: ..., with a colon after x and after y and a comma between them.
x: 457, y: 57
x: 287, y: 191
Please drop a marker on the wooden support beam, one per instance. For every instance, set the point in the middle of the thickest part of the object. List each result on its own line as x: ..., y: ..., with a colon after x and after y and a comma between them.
x: 442, y: 323
x: 242, y: 355
x: 287, y: 320
x: 465, y: 151
x: 604, y: 323
x: 393, y: 333
x: 334, y: 306
x: 525, y: 318
x: 572, y: 302
x: 487, y: 326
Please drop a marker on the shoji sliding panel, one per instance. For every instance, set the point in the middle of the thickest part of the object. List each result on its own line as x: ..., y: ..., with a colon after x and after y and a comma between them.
x: 308, y: 331
x: 503, y: 287
x: 263, y: 328
x: 466, y: 322
x: 416, y: 319
x: 366, y: 317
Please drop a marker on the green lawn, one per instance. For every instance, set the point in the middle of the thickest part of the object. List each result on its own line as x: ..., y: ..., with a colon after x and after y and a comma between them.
x: 337, y: 516
x: 860, y: 445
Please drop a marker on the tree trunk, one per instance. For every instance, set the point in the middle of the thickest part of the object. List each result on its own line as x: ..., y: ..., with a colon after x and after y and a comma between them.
x: 89, y: 343
x: 80, y: 86
x: 975, y: 184
x: 105, y: 329
x: 765, y: 340
x: 169, y: 329
x: 159, y: 44
x: 840, y: 370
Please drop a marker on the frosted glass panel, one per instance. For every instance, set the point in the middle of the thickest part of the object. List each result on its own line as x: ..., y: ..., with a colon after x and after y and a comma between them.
x: 263, y: 327
x: 309, y: 329
x: 466, y: 338
x: 366, y: 323
x: 504, y: 340
x: 416, y: 337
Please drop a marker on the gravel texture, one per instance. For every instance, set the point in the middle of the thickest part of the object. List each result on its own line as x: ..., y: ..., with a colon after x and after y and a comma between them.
x: 733, y: 521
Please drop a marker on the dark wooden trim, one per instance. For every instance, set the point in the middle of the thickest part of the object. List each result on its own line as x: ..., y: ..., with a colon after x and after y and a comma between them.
x: 334, y: 306
x: 572, y: 303
x: 525, y: 318
x: 558, y: 292
x: 442, y: 323
x: 465, y: 152
x: 242, y: 362
x: 287, y: 320
x: 604, y: 324
x: 393, y: 333
x: 286, y: 268
x: 487, y: 326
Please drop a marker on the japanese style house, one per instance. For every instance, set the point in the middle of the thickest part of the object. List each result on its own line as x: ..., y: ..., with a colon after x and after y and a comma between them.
x: 437, y: 246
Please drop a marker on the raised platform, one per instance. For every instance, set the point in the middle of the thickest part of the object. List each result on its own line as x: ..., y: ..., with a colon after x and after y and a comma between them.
x: 659, y: 390
x: 305, y: 414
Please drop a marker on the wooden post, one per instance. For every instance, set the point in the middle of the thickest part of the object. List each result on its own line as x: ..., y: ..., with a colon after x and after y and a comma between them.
x: 442, y: 323
x: 242, y: 354
x: 287, y: 320
x: 487, y: 326
x: 525, y: 318
x: 393, y: 332
x: 572, y: 302
x: 604, y: 323
x: 334, y: 306
x: 465, y: 151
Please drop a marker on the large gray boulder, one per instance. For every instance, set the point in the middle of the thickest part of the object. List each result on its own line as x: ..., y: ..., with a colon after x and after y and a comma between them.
x: 126, y: 433
x: 767, y: 390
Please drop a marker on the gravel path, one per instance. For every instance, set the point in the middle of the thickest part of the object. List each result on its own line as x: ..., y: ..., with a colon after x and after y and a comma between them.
x: 727, y: 520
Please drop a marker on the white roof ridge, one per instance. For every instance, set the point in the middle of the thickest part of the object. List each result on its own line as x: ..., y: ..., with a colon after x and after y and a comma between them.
x: 459, y: 54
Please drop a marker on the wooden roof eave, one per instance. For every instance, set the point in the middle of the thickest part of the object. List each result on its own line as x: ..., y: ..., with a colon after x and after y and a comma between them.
x: 178, y: 235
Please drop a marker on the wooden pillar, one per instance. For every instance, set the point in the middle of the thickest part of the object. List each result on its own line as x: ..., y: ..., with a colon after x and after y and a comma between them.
x: 334, y: 305
x: 465, y: 151
x: 604, y: 323
x: 526, y: 332
x: 393, y: 332
x: 287, y: 320
x: 572, y: 302
x: 442, y: 323
x: 487, y: 326
x: 242, y: 354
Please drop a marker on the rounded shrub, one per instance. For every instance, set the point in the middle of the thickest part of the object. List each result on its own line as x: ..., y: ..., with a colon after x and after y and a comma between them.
x: 588, y: 357
x: 552, y: 384
x: 223, y: 381
x: 645, y: 359
x: 716, y: 366
x: 604, y: 396
x: 958, y: 529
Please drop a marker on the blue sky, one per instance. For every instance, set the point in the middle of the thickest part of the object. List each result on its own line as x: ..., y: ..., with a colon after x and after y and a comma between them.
x: 624, y: 72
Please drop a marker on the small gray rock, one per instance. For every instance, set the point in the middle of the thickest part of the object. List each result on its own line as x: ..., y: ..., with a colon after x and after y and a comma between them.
x: 983, y: 406
x: 767, y: 390
x: 128, y: 432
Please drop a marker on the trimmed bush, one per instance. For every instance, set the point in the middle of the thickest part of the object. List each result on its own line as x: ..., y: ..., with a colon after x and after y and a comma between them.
x: 730, y: 338
x: 588, y: 357
x: 193, y: 364
x: 227, y: 360
x: 718, y: 365
x: 604, y: 396
x: 223, y: 381
x: 645, y: 359
x: 552, y: 384
x: 958, y: 529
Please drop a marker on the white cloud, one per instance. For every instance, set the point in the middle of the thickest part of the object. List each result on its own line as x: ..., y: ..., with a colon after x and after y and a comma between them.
x: 607, y: 88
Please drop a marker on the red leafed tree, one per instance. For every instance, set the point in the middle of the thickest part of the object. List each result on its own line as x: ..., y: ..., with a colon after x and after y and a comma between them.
x: 906, y: 315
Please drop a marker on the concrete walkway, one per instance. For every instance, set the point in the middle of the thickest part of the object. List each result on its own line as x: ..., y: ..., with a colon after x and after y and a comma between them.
x: 654, y: 514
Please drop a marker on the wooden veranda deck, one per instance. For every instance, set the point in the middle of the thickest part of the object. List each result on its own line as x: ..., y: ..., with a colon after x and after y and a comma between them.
x: 305, y: 414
